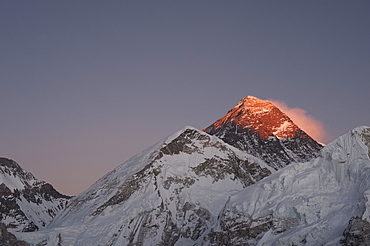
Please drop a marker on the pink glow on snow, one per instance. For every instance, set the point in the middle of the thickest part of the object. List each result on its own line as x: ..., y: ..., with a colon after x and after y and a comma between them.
x: 306, y: 122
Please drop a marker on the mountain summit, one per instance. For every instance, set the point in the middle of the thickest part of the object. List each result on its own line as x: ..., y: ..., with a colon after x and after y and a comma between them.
x: 263, y: 130
x: 259, y: 116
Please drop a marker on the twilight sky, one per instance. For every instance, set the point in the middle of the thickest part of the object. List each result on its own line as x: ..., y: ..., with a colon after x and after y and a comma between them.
x: 85, y: 85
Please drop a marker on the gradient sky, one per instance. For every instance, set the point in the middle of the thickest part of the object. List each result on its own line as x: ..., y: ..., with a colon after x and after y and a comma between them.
x: 85, y: 85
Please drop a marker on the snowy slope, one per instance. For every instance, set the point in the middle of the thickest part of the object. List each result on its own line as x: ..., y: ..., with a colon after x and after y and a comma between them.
x: 169, y: 194
x: 14, y: 177
x: 26, y: 203
x: 303, y: 204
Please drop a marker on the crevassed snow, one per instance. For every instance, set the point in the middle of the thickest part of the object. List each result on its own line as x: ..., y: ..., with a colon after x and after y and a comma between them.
x: 312, y: 201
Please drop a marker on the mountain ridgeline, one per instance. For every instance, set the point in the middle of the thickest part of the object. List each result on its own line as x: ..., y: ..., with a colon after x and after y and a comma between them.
x: 26, y: 203
x: 251, y: 178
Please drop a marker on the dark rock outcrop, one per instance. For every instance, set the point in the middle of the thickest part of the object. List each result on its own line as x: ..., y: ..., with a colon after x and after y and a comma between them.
x: 8, y: 239
x: 357, y: 233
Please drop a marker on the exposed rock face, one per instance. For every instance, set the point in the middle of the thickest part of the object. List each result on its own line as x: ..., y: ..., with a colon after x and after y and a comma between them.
x: 262, y: 130
x: 8, y: 239
x: 26, y: 203
x: 170, y: 193
x: 357, y: 233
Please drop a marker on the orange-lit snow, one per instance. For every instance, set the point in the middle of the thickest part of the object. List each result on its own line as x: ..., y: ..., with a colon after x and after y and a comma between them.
x: 307, y: 123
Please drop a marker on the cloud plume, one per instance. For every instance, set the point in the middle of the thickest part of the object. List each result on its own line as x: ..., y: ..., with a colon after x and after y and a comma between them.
x: 307, y: 123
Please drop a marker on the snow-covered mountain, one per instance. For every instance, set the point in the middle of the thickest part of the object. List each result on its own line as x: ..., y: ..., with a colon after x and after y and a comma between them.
x: 262, y: 130
x: 26, y: 203
x: 194, y: 189
x: 308, y: 203
x: 227, y: 185
x: 169, y: 194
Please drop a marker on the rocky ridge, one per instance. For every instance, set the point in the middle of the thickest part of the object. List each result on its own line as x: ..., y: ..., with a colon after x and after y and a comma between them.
x: 357, y: 232
x: 26, y: 203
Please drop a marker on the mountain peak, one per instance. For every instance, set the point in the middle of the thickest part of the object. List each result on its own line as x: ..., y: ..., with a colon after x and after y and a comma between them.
x: 254, y: 101
x: 263, y: 130
x: 254, y: 105
x: 261, y: 117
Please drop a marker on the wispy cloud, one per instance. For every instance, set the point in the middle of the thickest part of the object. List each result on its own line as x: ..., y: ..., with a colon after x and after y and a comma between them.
x: 306, y: 122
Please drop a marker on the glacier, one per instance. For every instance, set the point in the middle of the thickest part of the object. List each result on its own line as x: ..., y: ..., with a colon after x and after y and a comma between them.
x: 305, y: 203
